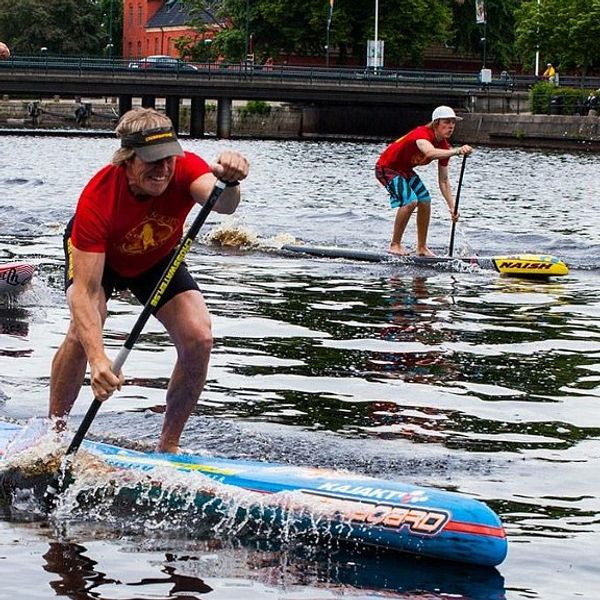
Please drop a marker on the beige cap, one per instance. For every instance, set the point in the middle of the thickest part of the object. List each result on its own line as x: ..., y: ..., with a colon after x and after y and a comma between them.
x: 444, y: 112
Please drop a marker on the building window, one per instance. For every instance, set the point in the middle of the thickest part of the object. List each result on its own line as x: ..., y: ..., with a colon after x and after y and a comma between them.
x: 139, y: 48
x: 156, y: 45
x: 140, y: 15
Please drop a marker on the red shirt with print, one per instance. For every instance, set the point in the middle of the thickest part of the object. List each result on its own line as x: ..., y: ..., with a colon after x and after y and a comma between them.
x: 135, y: 232
x: 403, y: 155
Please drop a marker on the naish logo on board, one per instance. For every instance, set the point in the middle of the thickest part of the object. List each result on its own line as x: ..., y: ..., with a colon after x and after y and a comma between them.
x: 420, y: 521
x: 520, y: 264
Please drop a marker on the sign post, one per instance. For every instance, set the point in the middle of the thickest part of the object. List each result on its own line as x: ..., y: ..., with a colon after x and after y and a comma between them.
x: 375, y: 54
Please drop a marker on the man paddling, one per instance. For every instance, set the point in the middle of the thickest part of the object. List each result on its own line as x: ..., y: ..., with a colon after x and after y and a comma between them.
x: 127, y: 224
x: 395, y: 170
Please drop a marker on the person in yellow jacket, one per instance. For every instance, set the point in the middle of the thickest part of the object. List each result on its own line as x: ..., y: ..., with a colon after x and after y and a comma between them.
x: 549, y: 73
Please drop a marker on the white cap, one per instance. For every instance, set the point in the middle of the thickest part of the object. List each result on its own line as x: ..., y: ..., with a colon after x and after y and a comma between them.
x: 444, y: 112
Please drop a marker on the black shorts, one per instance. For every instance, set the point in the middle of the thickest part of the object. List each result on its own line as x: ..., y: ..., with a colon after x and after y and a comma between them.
x: 142, y: 285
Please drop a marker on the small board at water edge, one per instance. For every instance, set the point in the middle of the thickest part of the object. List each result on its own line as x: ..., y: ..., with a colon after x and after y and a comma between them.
x: 15, y: 276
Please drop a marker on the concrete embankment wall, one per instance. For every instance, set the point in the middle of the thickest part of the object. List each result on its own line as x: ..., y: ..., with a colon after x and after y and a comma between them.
x: 310, y: 122
x: 531, y: 131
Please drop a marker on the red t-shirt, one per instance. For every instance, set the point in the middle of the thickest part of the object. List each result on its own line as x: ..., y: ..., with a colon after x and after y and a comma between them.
x: 134, y: 232
x: 403, y: 154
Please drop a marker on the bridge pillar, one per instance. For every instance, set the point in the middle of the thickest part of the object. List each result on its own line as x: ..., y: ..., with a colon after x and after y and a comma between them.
x: 224, y: 118
x: 148, y: 101
x: 124, y: 104
x: 197, y: 116
x: 172, y: 110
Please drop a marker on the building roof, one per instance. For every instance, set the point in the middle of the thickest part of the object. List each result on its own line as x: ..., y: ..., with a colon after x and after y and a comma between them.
x: 173, y: 13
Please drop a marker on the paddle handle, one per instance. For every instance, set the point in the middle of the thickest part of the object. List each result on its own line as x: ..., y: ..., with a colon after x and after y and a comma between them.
x: 57, y: 483
x: 456, y: 201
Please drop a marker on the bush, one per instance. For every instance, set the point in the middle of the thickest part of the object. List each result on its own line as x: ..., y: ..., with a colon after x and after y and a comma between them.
x: 541, y: 94
x: 256, y: 107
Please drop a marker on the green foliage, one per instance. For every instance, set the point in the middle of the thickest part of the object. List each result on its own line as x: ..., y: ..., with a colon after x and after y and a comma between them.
x: 112, y: 25
x: 499, y: 31
x: 541, y: 94
x: 567, y: 32
x: 279, y: 28
x: 539, y: 98
x: 411, y: 27
x: 255, y: 107
x: 68, y: 27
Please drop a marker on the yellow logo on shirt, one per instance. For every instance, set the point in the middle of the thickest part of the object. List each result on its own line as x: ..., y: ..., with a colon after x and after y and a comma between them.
x: 153, y: 232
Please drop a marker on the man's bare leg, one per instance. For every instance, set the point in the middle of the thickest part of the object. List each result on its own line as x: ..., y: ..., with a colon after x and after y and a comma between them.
x: 400, y: 222
x: 423, y: 218
x: 187, y: 320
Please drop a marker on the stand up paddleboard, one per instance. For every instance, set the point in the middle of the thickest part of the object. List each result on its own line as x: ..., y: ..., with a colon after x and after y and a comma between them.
x: 355, y: 508
x: 523, y: 265
x: 15, y: 276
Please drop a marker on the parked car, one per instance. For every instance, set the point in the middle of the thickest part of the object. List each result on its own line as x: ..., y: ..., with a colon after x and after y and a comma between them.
x: 163, y: 62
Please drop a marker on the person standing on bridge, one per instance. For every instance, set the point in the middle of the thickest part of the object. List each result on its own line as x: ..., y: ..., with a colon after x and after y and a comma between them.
x: 395, y: 170
x: 126, y: 227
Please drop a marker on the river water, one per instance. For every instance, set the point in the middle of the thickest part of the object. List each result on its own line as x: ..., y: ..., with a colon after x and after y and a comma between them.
x: 459, y: 380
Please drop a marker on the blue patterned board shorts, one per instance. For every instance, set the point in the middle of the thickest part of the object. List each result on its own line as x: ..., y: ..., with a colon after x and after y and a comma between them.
x: 403, y: 190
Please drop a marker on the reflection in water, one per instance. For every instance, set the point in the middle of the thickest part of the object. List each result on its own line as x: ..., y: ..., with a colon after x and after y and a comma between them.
x: 225, y: 567
x: 77, y: 572
x: 80, y: 578
x: 413, y: 314
x: 14, y: 321
x: 486, y: 385
x: 181, y: 583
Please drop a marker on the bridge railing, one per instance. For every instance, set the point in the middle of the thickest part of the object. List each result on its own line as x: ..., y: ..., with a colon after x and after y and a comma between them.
x: 281, y: 73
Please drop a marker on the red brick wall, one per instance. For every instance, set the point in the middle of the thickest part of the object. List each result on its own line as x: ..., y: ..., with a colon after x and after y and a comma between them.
x: 139, y: 42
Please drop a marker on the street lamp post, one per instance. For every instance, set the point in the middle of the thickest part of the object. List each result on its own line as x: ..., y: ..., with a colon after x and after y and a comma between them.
x: 110, y: 21
x: 376, y: 32
x: 375, y: 46
x: 537, y: 42
x: 44, y: 53
x: 329, y: 18
x: 484, y: 40
x: 247, y: 47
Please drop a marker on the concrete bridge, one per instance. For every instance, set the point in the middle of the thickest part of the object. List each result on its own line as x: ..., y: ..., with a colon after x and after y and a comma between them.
x: 342, y: 101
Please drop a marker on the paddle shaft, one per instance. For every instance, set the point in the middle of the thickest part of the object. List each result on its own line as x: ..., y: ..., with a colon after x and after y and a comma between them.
x: 56, y: 485
x: 456, y: 201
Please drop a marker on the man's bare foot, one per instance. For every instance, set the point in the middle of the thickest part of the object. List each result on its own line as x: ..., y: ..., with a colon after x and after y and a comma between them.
x: 425, y: 252
x: 398, y: 249
x: 168, y: 449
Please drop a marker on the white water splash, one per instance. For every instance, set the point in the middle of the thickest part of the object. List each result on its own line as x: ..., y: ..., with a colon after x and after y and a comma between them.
x: 27, y: 437
x: 232, y: 233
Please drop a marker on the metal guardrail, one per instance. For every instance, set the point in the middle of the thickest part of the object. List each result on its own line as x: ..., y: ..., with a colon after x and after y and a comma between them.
x: 282, y: 73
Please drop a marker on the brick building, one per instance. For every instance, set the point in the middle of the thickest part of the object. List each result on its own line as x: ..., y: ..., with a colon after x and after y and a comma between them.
x: 152, y: 26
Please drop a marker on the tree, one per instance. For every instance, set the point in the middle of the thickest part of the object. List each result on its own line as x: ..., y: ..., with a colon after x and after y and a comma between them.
x: 566, y: 32
x: 112, y: 26
x: 499, y: 31
x: 62, y: 26
x: 280, y: 28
